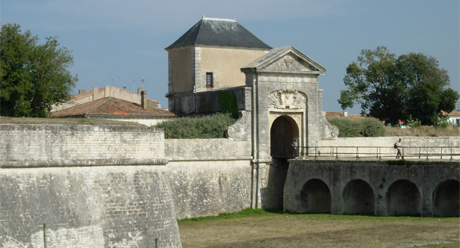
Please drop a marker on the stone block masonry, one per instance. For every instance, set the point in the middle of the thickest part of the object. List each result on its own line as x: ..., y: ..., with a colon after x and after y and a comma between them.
x: 85, y: 186
x: 209, y: 176
x: 70, y: 145
x: 207, y: 188
x: 373, y: 187
x: 110, y: 206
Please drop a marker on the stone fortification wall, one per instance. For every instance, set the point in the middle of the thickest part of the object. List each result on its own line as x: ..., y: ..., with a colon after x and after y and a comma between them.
x: 92, y: 186
x: 110, y: 206
x: 209, y: 176
x: 61, y: 145
x: 206, y: 188
x: 206, y: 149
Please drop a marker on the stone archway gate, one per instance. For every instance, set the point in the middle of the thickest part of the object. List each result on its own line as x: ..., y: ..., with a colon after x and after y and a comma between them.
x: 283, y: 82
x: 385, y: 188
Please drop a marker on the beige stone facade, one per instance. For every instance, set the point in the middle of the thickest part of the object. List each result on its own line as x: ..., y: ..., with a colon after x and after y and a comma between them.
x: 208, y: 58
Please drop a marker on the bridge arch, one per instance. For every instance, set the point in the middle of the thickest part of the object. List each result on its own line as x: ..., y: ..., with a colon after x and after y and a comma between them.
x: 446, y: 199
x: 358, y: 198
x: 403, y: 199
x: 315, y: 197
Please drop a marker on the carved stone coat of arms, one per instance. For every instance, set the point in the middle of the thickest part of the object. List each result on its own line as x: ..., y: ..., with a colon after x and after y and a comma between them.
x: 287, y: 99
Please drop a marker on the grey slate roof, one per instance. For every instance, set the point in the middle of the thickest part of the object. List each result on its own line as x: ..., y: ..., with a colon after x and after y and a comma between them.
x: 219, y: 32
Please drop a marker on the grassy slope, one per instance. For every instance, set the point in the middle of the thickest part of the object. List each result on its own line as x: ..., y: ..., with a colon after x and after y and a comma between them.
x: 423, y: 131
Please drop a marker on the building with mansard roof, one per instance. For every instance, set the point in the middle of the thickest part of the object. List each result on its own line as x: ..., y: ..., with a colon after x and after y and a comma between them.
x: 208, y: 57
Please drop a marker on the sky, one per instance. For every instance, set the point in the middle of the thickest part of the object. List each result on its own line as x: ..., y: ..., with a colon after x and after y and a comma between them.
x: 119, y: 42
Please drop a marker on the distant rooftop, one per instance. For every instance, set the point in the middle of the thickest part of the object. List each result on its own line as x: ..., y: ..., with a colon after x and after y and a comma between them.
x: 112, y: 107
x: 219, y: 32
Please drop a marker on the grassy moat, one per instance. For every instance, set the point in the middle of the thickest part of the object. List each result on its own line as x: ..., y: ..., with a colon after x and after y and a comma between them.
x: 259, y: 228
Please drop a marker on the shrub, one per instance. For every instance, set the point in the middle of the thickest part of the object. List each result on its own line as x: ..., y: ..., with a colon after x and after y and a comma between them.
x: 207, y: 127
x: 363, y: 127
x: 347, y: 127
x: 443, y: 122
x: 372, y: 127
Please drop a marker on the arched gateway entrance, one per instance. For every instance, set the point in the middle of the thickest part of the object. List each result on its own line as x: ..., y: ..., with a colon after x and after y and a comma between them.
x: 282, y: 134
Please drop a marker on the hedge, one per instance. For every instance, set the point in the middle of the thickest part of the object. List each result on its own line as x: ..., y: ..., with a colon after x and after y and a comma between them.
x: 207, y: 127
x: 363, y: 127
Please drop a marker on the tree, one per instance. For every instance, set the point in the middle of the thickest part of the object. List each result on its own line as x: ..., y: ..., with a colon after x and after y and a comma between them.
x: 393, y: 89
x: 33, y: 77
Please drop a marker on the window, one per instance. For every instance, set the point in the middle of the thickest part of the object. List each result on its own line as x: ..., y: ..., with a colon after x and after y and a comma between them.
x: 209, y: 80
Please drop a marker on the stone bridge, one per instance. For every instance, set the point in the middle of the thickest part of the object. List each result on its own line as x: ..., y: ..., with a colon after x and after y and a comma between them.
x: 373, y: 187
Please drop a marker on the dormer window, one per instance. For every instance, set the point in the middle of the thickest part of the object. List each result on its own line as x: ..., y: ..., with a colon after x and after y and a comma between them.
x: 209, y: 80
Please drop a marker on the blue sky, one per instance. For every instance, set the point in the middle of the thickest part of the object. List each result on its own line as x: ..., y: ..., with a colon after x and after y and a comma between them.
x: 118, y: 42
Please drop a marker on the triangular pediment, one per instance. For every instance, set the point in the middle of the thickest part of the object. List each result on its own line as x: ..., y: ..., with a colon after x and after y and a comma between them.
x: 289, y: 63
x: 287, y: 60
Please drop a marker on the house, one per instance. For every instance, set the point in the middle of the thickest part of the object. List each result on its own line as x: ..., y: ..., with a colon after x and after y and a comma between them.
x: 113, y: 103
x: 207, y: 58
x: 453, y: 117
x: 84, y: 96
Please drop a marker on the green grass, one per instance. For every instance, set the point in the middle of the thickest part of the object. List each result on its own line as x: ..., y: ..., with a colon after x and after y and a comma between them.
x: 266, y: 228
x: 248, y: 212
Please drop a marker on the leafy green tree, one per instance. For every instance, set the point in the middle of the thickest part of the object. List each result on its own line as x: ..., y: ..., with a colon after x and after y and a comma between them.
x: 33, y: 77
x: 393, y: 89
x: 426, y: 87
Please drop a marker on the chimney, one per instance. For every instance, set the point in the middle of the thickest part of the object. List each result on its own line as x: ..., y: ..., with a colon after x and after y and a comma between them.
x: 107, y: 92
x: 81, y: 92
x: 144, y: 99
x: 139, y: 91
x: 95, y: 93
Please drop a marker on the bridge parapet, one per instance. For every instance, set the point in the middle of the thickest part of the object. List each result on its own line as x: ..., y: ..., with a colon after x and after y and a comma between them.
x: 381, y: 152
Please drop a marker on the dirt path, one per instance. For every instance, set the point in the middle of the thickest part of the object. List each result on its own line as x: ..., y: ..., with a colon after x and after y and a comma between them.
x: 287, y: 230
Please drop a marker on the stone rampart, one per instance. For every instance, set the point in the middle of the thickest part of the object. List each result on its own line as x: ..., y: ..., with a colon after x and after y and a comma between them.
x: 110, y: 206
x: 70, y: 145
x: 85, y: 186
x: 209, y: 176
x: 206, y: 149
x: 207, y: 188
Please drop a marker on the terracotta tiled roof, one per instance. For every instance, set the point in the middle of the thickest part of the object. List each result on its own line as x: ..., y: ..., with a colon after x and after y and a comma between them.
x: 454, y: 113
x: 111, y: 107
x: 340, y: 114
